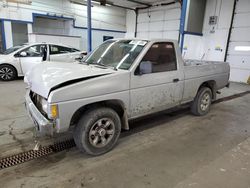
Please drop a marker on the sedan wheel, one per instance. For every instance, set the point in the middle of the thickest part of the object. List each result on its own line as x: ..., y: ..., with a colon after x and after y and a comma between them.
x: 7, y: 73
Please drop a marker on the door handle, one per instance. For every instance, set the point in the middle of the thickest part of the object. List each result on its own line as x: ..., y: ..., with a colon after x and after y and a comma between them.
x: 176, y: 80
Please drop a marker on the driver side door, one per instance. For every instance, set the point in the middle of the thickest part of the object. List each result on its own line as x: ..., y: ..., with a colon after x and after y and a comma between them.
x: 160, y: 87
x: 31, y: 56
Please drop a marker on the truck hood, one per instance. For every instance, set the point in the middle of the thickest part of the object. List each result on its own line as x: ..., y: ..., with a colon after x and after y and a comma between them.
x: 48, y: 76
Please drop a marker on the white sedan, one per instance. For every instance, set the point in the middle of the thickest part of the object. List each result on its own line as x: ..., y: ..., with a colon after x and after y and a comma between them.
x: 18, y: 60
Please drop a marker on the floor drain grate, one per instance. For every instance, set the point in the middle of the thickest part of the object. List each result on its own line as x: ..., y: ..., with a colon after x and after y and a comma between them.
x: 34, y: 154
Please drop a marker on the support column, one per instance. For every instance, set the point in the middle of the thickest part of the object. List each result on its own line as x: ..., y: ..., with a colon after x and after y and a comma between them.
x: 182, y: 23
x: 30, y: 31
x: 7, y: 34
x: 89, y: 26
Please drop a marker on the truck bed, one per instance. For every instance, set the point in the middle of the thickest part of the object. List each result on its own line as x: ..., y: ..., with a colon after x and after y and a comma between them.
x: 196, y: 68
x: 193, y: 62
x: 197, y: 72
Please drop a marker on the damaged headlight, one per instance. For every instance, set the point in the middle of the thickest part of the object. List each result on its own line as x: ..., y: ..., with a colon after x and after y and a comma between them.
x: 44, y: 105
x: 50, y: 109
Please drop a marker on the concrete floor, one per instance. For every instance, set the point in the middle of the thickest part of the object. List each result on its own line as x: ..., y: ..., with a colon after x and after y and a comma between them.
x: 167, y: 151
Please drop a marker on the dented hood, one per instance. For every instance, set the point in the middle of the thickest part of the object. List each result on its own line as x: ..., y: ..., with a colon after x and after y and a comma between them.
x: 47, y: 76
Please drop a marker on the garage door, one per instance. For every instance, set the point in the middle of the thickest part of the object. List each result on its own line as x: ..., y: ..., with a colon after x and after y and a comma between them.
x: 239, y: 46
x: 160, y: 22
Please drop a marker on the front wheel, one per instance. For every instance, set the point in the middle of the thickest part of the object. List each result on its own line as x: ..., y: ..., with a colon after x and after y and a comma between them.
x: 202, y: 102
x: 7, y: 73
x: 97, y: 131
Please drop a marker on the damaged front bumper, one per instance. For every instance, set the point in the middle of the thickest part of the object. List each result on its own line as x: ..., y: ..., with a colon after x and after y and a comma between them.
x: 42, y: 124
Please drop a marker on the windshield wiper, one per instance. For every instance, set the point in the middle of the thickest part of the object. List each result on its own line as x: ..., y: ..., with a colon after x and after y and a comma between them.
x: 101, y: 64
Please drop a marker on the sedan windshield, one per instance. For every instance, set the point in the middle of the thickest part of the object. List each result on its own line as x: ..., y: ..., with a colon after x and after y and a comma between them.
x: 119, y: 54
x: 12, y: 49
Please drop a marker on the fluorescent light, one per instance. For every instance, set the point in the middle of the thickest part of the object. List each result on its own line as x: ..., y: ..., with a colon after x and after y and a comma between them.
x: 242, y: 48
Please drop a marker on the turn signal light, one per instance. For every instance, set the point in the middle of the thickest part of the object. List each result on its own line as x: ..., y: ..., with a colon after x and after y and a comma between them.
x: 54, y: 111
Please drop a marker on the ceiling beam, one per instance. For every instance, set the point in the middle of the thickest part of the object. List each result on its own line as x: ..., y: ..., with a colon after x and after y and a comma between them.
x: 98, y: 1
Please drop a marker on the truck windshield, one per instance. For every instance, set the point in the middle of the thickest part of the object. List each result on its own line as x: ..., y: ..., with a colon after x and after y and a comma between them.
x: 119, y: 54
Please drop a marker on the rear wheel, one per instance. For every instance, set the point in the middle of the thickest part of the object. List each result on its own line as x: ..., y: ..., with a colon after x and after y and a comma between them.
x: 202, y: 102
x: 7, y: 73
x: 97, y: 131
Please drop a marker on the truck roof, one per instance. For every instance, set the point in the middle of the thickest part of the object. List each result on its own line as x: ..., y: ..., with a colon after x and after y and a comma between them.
x: 146, y: 39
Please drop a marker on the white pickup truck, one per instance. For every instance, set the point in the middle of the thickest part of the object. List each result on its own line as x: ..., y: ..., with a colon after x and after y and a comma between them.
x: 121, y: 80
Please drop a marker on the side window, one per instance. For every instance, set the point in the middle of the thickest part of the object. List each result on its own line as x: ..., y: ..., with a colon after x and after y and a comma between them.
x: 35, y: 51
x: 162, y: 57
x: 74, y: 50
x: 54, y: 49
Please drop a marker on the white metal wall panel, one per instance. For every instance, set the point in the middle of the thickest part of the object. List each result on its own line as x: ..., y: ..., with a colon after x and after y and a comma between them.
x: 157, y: 16
x: 224, y: 13
x: 240, y: 34
x: 171, y: 25
x: 156, y: 26
x: 171, y: 35
x: 239, y: 75
x: 239, y: 59
x: 155, y: 35
x: 242, y: 19
x: 243, y: 6
x: 173, y: 14
x: 159, y: 22
x: 236, y: 59
x: 232, y: 49
x: 143, y: 27
x: 143, y: 17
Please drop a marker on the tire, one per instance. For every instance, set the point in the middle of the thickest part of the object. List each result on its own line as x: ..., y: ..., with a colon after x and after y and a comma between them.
x: 202, y: 102
x: 96, y: 126
x: 7, y: 72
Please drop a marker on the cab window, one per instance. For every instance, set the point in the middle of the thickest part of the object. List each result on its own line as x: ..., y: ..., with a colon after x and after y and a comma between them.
x: 161, y: 56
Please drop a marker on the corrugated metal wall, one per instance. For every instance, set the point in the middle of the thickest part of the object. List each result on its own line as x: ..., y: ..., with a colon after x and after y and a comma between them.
x: 159, y: 22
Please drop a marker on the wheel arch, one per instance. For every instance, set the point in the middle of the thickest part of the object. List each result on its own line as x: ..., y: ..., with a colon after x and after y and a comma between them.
x: 210, y: 84
x: 117, y: 105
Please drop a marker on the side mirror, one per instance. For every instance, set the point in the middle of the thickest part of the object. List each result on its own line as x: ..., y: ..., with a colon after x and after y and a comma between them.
x: 23, y: 54
x: 84, y: 53
x: 145, y: 67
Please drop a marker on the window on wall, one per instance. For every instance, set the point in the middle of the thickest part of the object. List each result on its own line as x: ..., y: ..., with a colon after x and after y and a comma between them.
x: 162, y: 57
x: 19, y: 33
